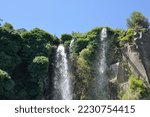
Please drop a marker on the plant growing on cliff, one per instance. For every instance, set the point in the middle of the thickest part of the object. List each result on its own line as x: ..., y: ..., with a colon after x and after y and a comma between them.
x: 84, y: 48
x: 39, y: 67
x: 66, y: 38
x: 135, y: 90
x: 126, y: 36
x: 39, y: 72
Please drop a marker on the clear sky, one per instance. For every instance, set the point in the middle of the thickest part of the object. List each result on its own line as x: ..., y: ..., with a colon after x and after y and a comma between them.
x: 65, y: 16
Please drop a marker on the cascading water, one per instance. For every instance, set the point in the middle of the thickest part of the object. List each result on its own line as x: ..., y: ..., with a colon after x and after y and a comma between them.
x: 102, y: 66
x: 70, y: 49
x: 71, y: 43
x: 62, y: 81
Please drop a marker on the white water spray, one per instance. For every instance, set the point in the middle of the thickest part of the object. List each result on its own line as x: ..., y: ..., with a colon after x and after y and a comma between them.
x: 71, y: 43
x: 62, y: 81
x: 103, y: 65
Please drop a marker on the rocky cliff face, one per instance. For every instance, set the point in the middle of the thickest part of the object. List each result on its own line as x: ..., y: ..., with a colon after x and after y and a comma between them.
x: 135, y: 60
x: 143, y: 45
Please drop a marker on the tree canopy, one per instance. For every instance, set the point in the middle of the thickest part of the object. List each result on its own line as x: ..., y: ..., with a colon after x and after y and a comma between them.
x: 137, y: 21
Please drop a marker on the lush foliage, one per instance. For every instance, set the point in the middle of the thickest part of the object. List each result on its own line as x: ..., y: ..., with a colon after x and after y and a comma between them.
x: 27, y: 60
x: 24, y: 55
x: 137, y: 21
x: 126, y: 36
x: 114, y: 47
x: 6, y: 86
x: 66, y: 38
x: 84, y: 58
x: 135, y: 90
x: 39, y: 72
x: 38, y: 68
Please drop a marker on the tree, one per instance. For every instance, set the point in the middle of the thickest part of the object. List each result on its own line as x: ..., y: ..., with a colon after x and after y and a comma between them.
x: 81, y: 43
x: 66, y: 37
x: 6, y: 86
x: 39, y: 67
x: 8, y: 26
x: 36, y: 43
x: 39, y: 72
x: 10, y: 45
x: 137, y: 21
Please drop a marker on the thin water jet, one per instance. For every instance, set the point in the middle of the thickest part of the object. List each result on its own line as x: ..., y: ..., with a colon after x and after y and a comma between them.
x: 103, y: 82
x: 71, y: 43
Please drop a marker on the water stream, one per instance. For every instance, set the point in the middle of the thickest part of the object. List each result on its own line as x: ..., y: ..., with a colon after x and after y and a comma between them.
x: 71, y: 43
x: 62, y: 81
x: 103, y: 66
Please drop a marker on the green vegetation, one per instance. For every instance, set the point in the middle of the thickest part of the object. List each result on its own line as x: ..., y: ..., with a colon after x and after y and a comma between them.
x: 134, y: 90
x: 24, y: 56
x: 126, y: 36
x: 114, y: 47
x: 66, y: 38
x: 83, y: 61
x: 6, y: 86
x: 137, y: 21
x: 39, y: 72
x: 27, y: 60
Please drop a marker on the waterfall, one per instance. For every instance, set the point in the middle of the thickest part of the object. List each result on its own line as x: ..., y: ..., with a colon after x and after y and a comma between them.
x: 71, y: 43
x: 103, y: 65
x: 62, y: 81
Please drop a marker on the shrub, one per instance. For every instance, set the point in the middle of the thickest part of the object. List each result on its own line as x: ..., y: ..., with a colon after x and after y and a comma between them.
x: 6, y: 86
x: 135, y: 90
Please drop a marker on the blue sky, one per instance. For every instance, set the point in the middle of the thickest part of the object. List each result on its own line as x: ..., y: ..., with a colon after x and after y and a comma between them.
x: 64, y: 16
